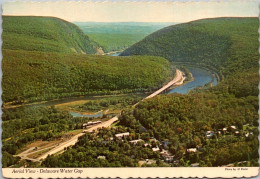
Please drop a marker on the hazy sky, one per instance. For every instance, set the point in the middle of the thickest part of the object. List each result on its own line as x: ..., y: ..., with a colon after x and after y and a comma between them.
x: 178, y: 11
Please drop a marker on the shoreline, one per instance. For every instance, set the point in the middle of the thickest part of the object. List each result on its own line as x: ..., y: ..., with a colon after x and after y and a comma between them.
x: 181, y: 84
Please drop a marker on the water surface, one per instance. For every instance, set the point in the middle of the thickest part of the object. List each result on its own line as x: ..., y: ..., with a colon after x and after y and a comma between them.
x: 201, y: 78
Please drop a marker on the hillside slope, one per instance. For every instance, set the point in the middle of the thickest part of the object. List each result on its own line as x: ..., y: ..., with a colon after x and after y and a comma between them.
x: 45, y: 34
x: 218, y: 43
x: 229, y: 111
x: 33, y: 76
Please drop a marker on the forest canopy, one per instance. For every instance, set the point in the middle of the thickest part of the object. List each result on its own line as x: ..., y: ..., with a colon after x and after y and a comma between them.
x: 34, y: 76
x: 27, y: 33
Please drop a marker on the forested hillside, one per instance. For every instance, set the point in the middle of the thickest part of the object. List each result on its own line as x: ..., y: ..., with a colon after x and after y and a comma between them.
x: 45, y: 34
x: 34, y: 76
x: 208, y: 127
x: 226, y: 44
x: 228, y: 111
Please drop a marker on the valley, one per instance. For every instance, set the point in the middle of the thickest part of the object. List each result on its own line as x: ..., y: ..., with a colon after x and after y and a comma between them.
x: 178, y: 96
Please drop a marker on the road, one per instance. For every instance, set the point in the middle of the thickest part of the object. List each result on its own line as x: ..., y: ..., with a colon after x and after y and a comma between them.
x: 177, y: 78
x: 74, y: 139
x: 25, y: 154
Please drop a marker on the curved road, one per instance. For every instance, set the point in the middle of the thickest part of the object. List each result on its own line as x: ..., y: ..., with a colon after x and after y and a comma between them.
x: 176, y: 79
x: 74, y: 139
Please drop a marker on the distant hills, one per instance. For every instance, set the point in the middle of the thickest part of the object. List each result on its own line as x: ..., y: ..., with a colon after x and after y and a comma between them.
x: 117, y: 36
x: 45, y: 34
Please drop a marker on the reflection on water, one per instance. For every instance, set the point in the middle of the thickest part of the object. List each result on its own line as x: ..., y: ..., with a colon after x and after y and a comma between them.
x: 201, y: 78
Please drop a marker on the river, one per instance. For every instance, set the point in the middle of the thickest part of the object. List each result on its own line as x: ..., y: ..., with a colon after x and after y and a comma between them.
x: 201, y: 78
x: 114, y: 54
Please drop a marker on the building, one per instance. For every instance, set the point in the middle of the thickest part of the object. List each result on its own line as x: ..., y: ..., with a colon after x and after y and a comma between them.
x: 209, y: 134
x: 191, y: 150
x: 121, y: 135
x: 147, y: 145
x: 101, y: 157
x: 135, y: 141
x: 155, y: 149
x: 167, y: 156
x: 233, y: 127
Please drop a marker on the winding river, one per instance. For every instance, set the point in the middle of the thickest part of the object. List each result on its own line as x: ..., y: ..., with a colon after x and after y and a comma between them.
x: 201, y: 78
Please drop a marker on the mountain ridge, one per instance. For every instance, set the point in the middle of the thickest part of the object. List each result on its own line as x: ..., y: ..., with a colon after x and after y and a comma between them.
x: 27, y: 33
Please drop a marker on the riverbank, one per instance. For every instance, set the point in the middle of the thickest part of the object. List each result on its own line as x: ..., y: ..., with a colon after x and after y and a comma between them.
x: 201, y: 78
x: 183, y: 82
x: 211, y: 69
x: 176, y: 79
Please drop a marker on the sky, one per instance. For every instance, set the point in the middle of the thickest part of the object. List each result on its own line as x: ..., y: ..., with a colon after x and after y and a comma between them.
x: 122, y: 11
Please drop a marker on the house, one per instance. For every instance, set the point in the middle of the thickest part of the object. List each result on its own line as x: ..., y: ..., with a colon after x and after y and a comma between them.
x: 101, y: 157
x: 247, y: 134
x: 209, y: 134
x: 121, y: 135
x: 237, y: 132
x: 167, y: 156
x: 191, y: 150
x: 224, y: 129
x: 147, y: 145
x: 233, y: 127
x: 155, y: 149
x: 135, y: 141
x: 195, y: 165
x: 164, y: 151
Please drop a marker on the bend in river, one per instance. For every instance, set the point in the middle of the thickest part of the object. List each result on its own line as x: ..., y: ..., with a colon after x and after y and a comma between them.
x: 201, y: 78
